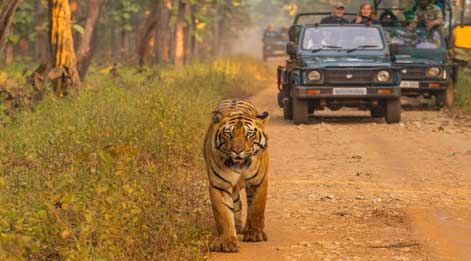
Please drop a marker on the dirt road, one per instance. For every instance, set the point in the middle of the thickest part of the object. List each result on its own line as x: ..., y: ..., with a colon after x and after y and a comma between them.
x: 355, y: 188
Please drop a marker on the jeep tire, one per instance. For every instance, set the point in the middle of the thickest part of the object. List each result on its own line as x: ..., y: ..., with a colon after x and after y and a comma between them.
x: 288, y: 110
x: 377, y: 112
x: 446, y: 97
x: 393, y: 111
x: 300, y: 111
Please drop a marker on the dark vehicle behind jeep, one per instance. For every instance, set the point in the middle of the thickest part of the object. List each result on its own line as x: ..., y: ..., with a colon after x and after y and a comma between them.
x: 274, y: 43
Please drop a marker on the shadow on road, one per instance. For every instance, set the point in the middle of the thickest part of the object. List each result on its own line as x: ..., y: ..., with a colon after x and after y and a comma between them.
x: 332, y: 119
x: 419, y: 107
x: 343, y: 119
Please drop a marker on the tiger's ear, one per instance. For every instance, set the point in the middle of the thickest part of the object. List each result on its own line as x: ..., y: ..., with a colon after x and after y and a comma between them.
x: 217, y: 117
x: 263, y: 117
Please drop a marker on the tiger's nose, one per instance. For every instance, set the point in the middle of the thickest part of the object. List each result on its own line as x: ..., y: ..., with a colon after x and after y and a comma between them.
x: 238, y: 149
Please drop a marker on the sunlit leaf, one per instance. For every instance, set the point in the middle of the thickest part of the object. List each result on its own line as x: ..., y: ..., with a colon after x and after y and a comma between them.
x: 78, y: 28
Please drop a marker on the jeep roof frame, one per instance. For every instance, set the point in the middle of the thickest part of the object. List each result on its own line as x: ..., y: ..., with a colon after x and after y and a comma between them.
x: 299, y: 15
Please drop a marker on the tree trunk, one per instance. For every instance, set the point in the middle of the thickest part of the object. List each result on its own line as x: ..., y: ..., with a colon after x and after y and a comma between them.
x: 64, y: 73
x: 221, y: 31
x: 41, y: 45
x: 146, y: 43
x: 124, y: 44
x: 215, y: 38
x: 87, y: 44
x: 163, y: 32
x: 6, y: 17
x: 179, y: 35
x: 193, y: 41
x: 187, y: 32
x: 9, y: 54
x: 114, y: 42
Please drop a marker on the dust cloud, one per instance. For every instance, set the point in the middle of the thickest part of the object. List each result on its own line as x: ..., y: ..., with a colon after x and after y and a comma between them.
x: 249, y: 42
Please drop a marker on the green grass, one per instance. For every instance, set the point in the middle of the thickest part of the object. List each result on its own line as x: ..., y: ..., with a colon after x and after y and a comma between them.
x: 463, y: 90
x: 116, y: 172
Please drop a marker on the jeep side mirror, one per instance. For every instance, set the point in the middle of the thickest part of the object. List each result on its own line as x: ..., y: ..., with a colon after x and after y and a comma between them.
x: 291, y: 49
x: 462, y: 36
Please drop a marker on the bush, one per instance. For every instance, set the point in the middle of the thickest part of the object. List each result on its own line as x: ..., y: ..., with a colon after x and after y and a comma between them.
x: 463, y: 90
x: 116, y: 172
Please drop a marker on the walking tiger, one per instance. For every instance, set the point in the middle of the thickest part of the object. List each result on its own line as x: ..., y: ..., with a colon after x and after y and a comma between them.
x: 235, y: 151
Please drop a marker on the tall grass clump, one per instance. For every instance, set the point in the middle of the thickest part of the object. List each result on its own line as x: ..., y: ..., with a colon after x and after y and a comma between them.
x: 463, y: 90
x: 116, y: 171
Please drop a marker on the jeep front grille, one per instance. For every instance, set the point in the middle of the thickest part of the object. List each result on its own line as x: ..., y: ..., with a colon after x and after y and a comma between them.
x: 348, y: 76
x: 411, y: 73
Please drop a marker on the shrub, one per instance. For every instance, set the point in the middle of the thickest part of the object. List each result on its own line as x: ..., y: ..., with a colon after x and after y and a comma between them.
x: 463, y: 90
x: 116, y: 172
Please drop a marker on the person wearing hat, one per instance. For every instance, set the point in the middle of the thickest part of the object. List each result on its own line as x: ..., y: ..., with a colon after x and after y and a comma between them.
x: 427, y: 15
x: 337, y: 15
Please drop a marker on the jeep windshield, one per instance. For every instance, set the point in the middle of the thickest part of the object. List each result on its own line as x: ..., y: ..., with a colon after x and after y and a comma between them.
x: 419, y: 38
x: 347, y: 38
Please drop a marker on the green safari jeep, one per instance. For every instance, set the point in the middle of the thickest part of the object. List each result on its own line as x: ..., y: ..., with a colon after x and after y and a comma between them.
x: 338, y: 65
x: 426, y: 69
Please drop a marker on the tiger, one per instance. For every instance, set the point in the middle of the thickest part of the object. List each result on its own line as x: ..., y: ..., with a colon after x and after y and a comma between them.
x: 236, y: 156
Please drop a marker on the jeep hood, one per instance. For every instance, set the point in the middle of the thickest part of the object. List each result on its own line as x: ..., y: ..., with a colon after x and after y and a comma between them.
x: 421, y: 56
x: 348, y: 61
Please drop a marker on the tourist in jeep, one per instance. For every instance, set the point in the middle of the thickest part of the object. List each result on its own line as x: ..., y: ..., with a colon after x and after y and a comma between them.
x: 427, y: 15
x: 269, y: 32
x: 337, y: 15
x: 388, y: 18
x: 366, y: 15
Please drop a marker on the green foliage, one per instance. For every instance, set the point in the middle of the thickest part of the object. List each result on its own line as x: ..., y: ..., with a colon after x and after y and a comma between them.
x: 23, y: 21
x: 116, y: 172
x: 78, y: 28
x: 123, y: 11
x: 463, y: 90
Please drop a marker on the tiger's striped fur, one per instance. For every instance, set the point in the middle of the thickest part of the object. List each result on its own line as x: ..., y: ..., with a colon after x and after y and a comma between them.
x: 235, y: 151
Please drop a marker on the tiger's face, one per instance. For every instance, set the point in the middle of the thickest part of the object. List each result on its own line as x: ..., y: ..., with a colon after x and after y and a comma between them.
x: 239, y: 138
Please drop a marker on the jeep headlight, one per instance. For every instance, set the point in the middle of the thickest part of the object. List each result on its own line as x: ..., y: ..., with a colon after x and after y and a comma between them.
x: 314, y: 76
x: 383, y: 76
x: 433, y: 72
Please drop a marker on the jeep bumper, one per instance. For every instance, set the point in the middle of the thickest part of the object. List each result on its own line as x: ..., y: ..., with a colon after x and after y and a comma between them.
x: 418, y: 87
x: 347, y: 92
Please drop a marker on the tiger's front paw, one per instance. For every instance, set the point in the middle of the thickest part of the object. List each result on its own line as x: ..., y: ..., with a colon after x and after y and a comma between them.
x: 224, y: 245
x: 255, y: 236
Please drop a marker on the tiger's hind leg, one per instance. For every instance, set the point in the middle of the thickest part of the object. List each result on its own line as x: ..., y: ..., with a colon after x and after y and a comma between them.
x: 256, y: 201
x: 237, y: 210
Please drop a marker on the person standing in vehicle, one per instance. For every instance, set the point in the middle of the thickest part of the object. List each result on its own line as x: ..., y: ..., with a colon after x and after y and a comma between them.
x: 366, y: 15
x: 337, y: 15
x: 427, y: 15
x: 269, y: 32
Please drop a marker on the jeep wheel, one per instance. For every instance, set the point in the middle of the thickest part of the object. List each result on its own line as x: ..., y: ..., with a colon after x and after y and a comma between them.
x: 300, y: 111
x: 447, y: 97
x: 377, y: 112
x: 288, y: 110
x: 393, y: 111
